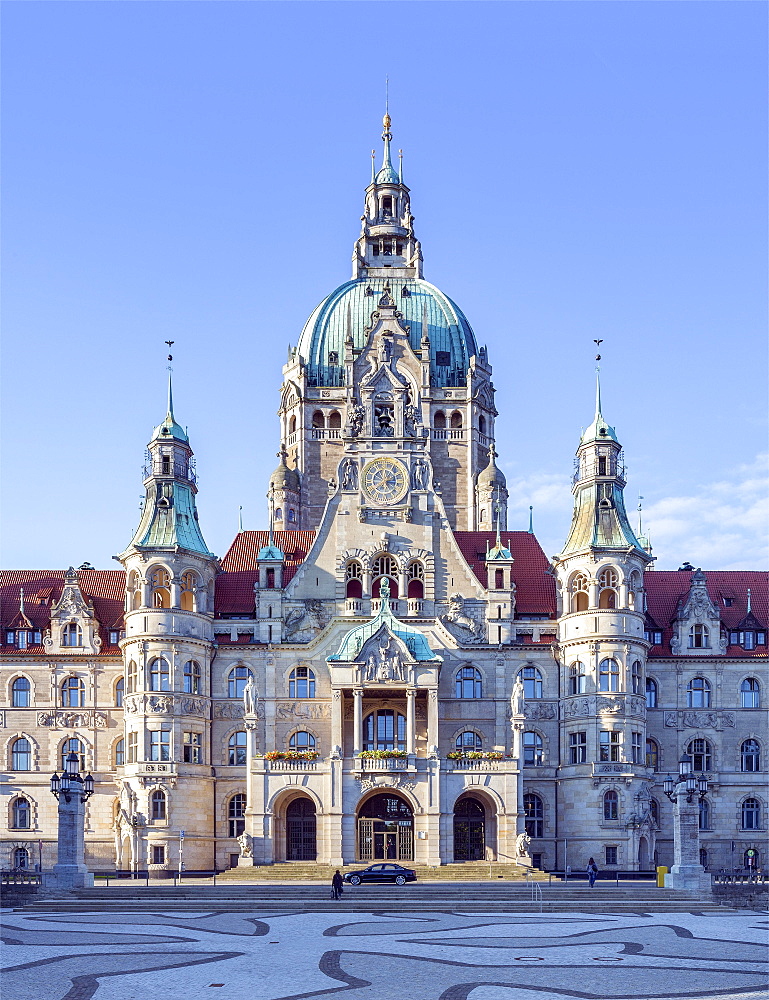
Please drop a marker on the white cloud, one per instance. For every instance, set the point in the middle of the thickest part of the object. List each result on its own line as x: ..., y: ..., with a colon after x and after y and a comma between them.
x: 720, y: 525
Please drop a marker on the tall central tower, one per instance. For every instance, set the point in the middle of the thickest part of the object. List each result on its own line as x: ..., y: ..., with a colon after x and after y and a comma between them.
x: 447, y: 412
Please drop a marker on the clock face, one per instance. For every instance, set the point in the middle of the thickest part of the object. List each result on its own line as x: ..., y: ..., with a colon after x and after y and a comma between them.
x: 385, y: 481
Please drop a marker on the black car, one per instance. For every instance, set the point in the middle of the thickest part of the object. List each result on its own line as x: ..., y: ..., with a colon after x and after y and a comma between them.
x: 382, y: 873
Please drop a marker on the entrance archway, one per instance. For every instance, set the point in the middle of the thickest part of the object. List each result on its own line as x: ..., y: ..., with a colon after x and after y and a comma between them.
x: 385, y: 829
x: 469, y: 830
x: 643, y: 854
x: 301, y: 830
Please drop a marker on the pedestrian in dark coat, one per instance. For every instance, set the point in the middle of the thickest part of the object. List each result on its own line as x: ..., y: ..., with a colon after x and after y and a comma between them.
x: 592, y: 872
x: 337, y: 884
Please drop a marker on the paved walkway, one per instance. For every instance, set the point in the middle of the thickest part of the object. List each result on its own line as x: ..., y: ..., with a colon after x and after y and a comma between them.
x: 383, y: 956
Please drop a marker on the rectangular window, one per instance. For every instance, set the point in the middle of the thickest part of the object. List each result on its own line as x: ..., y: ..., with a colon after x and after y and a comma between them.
x: 133, y: 748
x: 10, y: 638
x: 114, y: 637
x: 734, y: 638
x: 160, y: 744
x: 158, y: 854
x: 610, y: 745
x: 750, y: 642
x: 577, y: 748
x: 21, y: 640
x: 611, y: 855
x: 636, y: 748
x: 760, y: 638
x: 193, y: 748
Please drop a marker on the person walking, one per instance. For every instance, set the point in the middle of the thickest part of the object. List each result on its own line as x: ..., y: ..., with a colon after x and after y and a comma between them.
x: 592, y: 871
x: 337, y: 884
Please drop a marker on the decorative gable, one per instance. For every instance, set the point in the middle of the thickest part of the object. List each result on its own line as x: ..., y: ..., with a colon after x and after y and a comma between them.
x: 74, y: 628
x: 697, y: 622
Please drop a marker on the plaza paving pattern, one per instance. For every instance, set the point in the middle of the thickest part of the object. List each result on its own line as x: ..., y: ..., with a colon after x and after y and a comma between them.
x: 383, y: 956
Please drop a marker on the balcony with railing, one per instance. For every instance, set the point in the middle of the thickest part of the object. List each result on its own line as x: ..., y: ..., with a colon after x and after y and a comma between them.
x: 415, y: 607
x: 354, y: 606
x: 326, y: 433
x: 293, y: 766
x: 497, y: 764
x: 387, y: 764
x: 448, y: 433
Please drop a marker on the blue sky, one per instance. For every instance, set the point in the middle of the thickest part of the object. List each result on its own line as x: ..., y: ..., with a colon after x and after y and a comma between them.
x: 195, y: 172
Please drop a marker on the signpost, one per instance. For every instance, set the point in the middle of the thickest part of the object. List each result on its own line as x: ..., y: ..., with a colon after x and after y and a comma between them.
x: 181, y: 852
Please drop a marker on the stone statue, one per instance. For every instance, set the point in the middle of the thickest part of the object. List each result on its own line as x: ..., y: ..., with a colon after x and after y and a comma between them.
x: 465, y: 628
x: 250, y: 697
x: 245, y: 841
x: 371, y: 667
x: 517, y: 699
x: 410, y: 420
x: 522, y: 845
x: 356, y: 418
x: 419, y: 474
x: 350, y: 475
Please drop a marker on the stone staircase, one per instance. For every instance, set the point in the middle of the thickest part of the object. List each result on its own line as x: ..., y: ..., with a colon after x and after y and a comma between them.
x: 425, y: 897
x: 309, y: 871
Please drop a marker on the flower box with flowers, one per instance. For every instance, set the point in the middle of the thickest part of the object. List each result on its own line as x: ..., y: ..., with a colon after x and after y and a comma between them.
x: 382, y: 754
x: 291, y: 755
x: 475, y: 755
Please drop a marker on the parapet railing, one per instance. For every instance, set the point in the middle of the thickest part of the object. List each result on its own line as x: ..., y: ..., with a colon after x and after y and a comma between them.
x: 739, y: 878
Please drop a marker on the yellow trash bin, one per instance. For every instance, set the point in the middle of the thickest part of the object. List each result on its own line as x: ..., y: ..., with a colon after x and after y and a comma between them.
x: 661, y: 873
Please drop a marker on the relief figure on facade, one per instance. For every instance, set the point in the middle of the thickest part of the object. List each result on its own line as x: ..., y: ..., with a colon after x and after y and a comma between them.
x: 460, y: 624
x: 350, y: 475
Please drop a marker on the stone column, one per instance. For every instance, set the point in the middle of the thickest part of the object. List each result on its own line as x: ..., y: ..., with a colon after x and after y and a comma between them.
x: 357, y: 696
x: 337, y: 735
x: 410, y: 716
x: 687, y: 872
x: 432, y: 720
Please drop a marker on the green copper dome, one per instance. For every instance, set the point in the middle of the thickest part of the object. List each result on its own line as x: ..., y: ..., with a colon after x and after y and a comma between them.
x: 452, y: 342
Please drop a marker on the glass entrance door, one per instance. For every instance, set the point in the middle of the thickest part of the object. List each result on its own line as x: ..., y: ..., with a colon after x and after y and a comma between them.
x: 385, y: 830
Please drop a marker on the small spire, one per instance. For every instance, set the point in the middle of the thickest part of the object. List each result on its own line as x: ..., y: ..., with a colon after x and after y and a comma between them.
x: 531, y: 519
x: 598, y: 413
x: 400, y: 165
x: 748, y: 599
x: 373, y: 165
x: 271, y: 538
x: 498, y: 512
x: 639, y: 508
x: 21, y: 601
x: 170, y: 386
x: 240, y: 519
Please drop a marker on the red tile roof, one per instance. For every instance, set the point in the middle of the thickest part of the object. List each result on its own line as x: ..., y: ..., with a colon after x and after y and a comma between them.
x: 235, y: 586
x: 665, y: 588
x: 535, y: 593
x: 42, y: 588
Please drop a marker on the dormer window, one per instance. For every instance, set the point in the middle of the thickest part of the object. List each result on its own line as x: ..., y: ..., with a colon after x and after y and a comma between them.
x: 699, y: 637
x: 387, y: 206
x: 602, y: 466
x: 166, y: 465
x: 72, y: 635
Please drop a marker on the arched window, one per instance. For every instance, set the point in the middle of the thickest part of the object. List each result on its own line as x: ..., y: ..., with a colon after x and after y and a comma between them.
x: 72, y: 635
x: 384, y: 730
x: 292, y: 425
x: 698, y: 693
x: 120, y: 753
x: 73, y: 745
x: 21, y: 814
x: 301, y: 741
x: 577, y: 679
x: 608, y: 581
x: 651, y: 693
x: 318, y: 420
x: 20, y: 693
x: 301, y: 683
x: 456, y: 419
x: 187, y: 599
x: 579, y: 592
x: 499, y: 579
x: 237, y: 681
x: 119, y: 691
x: 160, y: 674
x: 634, y: 588
x: 701, y: 753
x: 353, y: 575
x: 531, y: 679
x: 191, y: 677
x: 482, y: 424
x: 468, y: 740
x: 415, y: 576
x: 699, y: 637
x: 160, y: 585
x: 469, y: 683
x: 21, y: 858
x: 704, y: 820
x: 750, y: 693
x: 610, y: 805
x: 21, y: 755
x: 133, y: 591
x: 534, y: 815
x: 439, y: 420
x: 636, y: 677
x: 608, y: 675
x: 158, y: 805
x: 384, y: 566
x: 72, y: 692
x: 335, y: 419
x: 750, y: 756
x: 291, y: 515
x: 533, y: 753
x: 236, y: 814
x: 278, y: 514
x: 652, y: 754
x: 751, y: 814
x: 654, y: 809
x: 133, y: 675
x: 238, y: 749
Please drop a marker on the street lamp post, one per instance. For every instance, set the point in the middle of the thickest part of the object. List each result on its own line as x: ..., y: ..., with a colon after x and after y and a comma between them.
x: 72, y: 789
x: 685, y: 793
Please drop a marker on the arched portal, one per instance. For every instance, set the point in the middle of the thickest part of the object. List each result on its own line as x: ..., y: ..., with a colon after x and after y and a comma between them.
x: 469, y: 830
x: 301, y: 827
x: 386, y: 829
x: 643, y: 854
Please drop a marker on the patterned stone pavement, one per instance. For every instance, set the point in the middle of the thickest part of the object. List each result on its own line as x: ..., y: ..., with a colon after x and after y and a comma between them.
x: 383, y: 956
